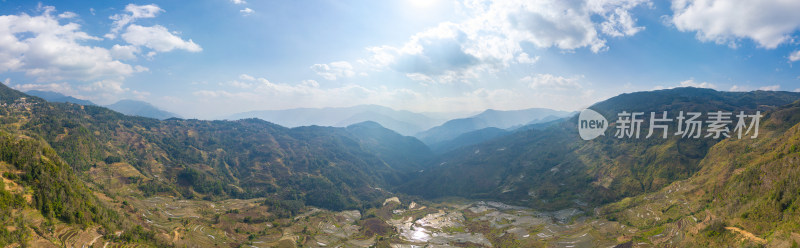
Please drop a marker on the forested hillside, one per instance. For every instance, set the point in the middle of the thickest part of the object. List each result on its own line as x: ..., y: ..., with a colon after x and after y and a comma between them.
x: 75, y: 174
x: 54, y: 149
x: 554, y: 169
x: 745, y: 193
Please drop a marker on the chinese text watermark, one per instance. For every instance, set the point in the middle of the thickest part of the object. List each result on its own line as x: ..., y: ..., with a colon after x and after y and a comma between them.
x: 717, y: 124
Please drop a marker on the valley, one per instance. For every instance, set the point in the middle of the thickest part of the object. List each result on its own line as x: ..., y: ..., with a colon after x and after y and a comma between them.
x: 400, y: 124
x: 85, y: 176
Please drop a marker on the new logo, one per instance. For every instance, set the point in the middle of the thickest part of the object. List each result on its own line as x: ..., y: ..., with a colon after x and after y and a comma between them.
x: 591, y: 124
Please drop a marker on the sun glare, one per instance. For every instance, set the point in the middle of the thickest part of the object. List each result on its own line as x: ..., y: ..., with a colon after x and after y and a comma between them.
x: 422, y: 4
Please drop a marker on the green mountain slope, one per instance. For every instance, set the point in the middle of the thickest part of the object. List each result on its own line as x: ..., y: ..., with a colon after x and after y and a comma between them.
x: 70, y: 150
x: 745, y: 194
x: 77, y: 175
x: 469, y: 138
x: 43, y: 202
x: 140, y: 108
x: 401, y: 121
x: 553, y: 168
x: 327, y: 167
x: 57, y: 97
x: 452, y: 129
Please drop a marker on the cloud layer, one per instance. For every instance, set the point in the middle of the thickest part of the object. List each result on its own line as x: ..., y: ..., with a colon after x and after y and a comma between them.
x: 46, y: 50
x: 767, y: 22
x: 50, y: 47
x: 157, y: 38
x: 492, y: 38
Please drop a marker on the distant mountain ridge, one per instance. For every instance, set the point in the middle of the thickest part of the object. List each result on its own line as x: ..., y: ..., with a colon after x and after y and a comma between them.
x: 128, y: 107
x: 329, y: 167
x: 401, y: 121
x: 88, y: 166
x: 58, y: 97
x: 141, y: 108
x: 552, y: 168
x: 469, y: 138
x: 500, y: 119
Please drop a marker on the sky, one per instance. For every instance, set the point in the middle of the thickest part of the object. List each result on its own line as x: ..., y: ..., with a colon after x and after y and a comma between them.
x: 211, y: 58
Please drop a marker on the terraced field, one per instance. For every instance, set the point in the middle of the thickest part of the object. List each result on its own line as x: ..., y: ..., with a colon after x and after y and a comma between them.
x: 232, y: 223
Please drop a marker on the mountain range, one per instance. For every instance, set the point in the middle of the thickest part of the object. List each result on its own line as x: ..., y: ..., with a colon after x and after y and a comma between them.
x: 140, y: 108
x: 128, y: 107
x: 403, y: 122
x: 71, y: 169
x: 450, y: 135
x: 465, y: 131
x: 552, y: 168
x: 58, y: 97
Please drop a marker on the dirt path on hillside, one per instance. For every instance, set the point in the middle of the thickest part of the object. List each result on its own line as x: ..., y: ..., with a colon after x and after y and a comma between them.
x: 93, y: 240
x: 747, y: 235
x: 177, y: 235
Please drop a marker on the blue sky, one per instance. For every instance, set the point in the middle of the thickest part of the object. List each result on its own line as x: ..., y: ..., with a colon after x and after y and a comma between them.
x: 211, y: 58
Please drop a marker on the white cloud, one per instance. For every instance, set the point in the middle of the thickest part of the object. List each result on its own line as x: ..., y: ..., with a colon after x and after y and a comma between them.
x: 750, y: 88
x: 737, y: 88
x: 107, y: 90
x: 549, y: 81
x: 51, y: 51
x: 238, y: 84
x: 105, y: 86
x: 334, y: 70
x: 446, y: 77
x: 247, y: 77
x: 104, y: 91
x: 692, y: 83
x: 794, y: 56
x: 63, y: 88
x: 157, y: 38
x: 124, y: 52
x: 67, y: 15
x: 134, y: 12
x: 492, y: 38
x: 768, y: 22
x: 247, y: 82
x: 307, y: 89
x: 263, y: 94
x: 422, y: 78
x: 238, y: 2
x: 483, y: 98
x: 524, y: 58
x: 770, y: 88
x: 247, y: 11
x: 310, y: 83
x: 619, y: 21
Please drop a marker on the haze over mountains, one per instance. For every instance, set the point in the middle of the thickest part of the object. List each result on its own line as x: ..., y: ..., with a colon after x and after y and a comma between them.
x: 553, y: 167
x: 140, y: 108
x: 484, y: 126
x: 90, y: 166
x: 438, y: 133
x: 401, y: 121
x: 128, y: 107
x: 58, y: 97
x: 435, y: 132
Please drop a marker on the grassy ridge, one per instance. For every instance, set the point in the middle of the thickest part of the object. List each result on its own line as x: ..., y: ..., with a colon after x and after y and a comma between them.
x: 554, y: 169
x: 745, y: 194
